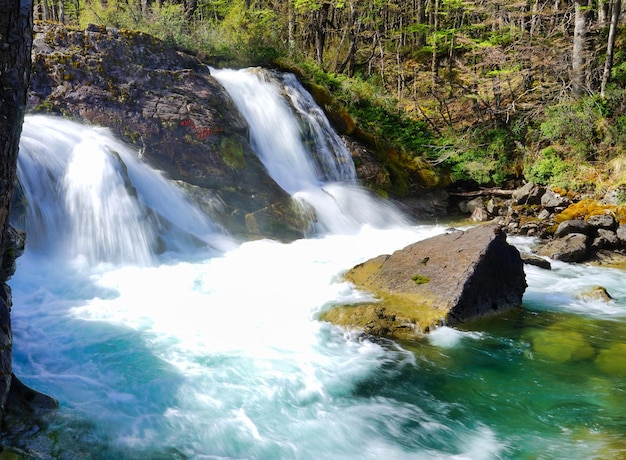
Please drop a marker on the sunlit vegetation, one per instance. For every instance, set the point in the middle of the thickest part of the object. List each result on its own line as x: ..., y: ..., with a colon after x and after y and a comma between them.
x: 488, y: 93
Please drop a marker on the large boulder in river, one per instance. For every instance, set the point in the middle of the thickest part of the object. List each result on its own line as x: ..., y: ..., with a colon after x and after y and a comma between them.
x: 448, y: 279
x: 167, y: 104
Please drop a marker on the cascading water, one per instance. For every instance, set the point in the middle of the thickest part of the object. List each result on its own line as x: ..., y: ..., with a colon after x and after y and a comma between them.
x: 88, y: 196
x: 302, y: 153
x: 222, y: 356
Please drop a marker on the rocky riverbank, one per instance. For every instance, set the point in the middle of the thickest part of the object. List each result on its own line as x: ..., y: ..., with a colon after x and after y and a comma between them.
x: 569, y: 227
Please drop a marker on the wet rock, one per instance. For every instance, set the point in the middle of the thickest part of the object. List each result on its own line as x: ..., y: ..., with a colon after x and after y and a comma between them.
x: 451, y: 278
x: 560, y: 344
x: 432, y: 203
x: 570, y: 248
x: 605, y: 239
x: 165, y: 103
x: 595, y: 293
x: 532, y: 259
x: 612, y: 361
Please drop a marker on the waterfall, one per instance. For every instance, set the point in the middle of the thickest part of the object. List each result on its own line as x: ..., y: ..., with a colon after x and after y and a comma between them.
x: 88, y: 196
x: 301, y: 151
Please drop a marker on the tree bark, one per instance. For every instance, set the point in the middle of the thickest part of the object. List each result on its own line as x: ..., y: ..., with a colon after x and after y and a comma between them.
x: 321, y: 19
x: 616, y: 10
x: 579, y: 48
x: 16, y: 26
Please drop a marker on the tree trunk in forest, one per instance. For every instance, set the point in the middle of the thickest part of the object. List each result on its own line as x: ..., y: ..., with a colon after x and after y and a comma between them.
x: 616, y: 10
x: 579, y: 48
x: 420, y: 19
x: 434, y: 65
x: 16, y: 28
x: 291, y: 27
x: 603, y: 12
x: 321, y: 18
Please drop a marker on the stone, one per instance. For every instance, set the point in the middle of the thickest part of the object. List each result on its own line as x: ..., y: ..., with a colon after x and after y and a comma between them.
x: 595, y: 293
x: 476, y: 203
x: 570, y: 248
x: 532, y: 259
x: 480, y: 215
x: 529, y: 194
x: 448, y: 279
x: 494, y: 206
x: 551, y: 200
x: 572, y: 226
x: 621, y: 233
x: 605, y: 239
x: 604, y: 221
x: 544, y: 214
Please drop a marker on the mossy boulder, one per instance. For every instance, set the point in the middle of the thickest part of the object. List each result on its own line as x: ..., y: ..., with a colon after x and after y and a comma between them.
x: 448, y: 279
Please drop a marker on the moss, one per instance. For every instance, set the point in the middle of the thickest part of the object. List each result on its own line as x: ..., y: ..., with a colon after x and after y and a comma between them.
x: 587, y: 208
x: 320, y: 94
x: 398, y: 317
x: 342, y: 121
x: 232, y: 153
x: 419, y: 279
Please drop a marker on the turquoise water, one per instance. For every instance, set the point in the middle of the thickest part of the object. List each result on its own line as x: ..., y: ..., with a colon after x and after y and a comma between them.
x: 224, y: 358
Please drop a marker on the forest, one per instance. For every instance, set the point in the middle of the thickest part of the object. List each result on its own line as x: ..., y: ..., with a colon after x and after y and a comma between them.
x: 473, y: 93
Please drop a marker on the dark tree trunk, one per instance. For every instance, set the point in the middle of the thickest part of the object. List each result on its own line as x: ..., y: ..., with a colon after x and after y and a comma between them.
x: 321, y: 19
x: 190, y: 9
x: 16, y: 26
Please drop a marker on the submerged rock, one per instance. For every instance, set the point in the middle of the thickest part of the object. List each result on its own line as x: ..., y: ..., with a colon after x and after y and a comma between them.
x: 595, y: 293
x: 448, y: 279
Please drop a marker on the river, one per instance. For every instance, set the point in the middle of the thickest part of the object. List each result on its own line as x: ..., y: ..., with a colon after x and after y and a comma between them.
x: 164, y: 338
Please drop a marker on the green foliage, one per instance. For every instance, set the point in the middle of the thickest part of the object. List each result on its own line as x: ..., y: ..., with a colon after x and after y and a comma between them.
x: 409, y: 134
x: 487, y: 92
x: 589, y: 129
x: 578, y: 125
x: 482, y: 156
x: 548, y: 169
x: 249, y: 33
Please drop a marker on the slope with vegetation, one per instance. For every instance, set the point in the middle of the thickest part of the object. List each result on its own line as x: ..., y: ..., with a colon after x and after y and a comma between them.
x: 472, y: 93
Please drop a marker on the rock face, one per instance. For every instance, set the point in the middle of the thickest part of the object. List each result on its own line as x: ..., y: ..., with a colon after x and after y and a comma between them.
x: 169, y: 106
x: 447, y: 279
x: 21, y: 402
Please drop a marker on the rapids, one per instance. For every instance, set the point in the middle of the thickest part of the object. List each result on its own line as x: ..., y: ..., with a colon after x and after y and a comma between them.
x: 189, y: 345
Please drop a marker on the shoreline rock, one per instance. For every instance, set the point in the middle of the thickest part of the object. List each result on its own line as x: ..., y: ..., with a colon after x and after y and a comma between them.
x: 570, y: 228
x: 447, y: 279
